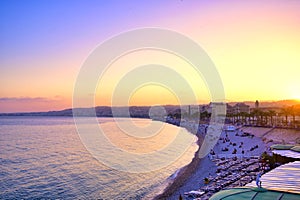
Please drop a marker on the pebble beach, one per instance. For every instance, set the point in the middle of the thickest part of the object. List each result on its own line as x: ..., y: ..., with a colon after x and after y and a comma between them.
x: 233, y: 162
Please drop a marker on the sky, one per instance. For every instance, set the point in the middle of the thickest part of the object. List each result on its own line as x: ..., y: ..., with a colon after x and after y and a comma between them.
x: 254, y: 45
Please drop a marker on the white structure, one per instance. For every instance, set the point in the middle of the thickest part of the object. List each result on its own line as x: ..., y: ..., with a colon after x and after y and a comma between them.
x: 283, y: 178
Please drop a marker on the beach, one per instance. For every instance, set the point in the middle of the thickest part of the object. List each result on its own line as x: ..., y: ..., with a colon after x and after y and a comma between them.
x: 234, y: 161
x: 188, y: 175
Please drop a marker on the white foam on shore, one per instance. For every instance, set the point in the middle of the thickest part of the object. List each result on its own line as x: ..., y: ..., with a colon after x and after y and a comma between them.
x: 160, y: 189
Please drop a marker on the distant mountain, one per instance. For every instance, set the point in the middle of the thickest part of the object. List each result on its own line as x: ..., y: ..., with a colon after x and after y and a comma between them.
x: 281, y: 103
x: 103, y: 111
x: 139, y: 111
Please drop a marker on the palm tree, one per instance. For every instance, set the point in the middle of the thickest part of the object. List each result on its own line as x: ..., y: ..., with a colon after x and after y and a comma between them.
x: 272, y: 113
x: 255, y: 114
x: 293, y: 113
x: 230, y: 117
x: 243, y: 115
x: 261, y: 115
x: 285, y: 112
x: 297, y: 113
x: 248, y: 118
x: 264, y: 117
x: 251, y: 115
x: 235, y: 117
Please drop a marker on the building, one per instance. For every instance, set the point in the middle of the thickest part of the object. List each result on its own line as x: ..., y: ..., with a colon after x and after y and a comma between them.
x: 229, y: 109
x: 241, y: 108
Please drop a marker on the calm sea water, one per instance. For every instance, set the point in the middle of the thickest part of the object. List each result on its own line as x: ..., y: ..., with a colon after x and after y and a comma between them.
x: 43, y: 157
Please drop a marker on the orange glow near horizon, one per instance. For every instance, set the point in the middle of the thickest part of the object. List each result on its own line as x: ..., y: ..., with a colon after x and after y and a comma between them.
x: 153, y: 95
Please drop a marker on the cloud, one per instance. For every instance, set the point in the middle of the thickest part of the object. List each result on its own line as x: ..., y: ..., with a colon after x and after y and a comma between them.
x: 27, y: 99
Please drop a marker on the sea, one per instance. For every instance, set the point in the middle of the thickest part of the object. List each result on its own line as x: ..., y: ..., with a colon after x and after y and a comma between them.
x: 49, y: 158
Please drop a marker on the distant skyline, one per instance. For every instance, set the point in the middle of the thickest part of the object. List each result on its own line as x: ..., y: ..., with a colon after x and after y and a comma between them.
x: 255, y: 46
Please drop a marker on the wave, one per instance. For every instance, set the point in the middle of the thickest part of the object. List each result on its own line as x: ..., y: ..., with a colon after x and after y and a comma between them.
x: 178, y: 178
x: 182, y: 175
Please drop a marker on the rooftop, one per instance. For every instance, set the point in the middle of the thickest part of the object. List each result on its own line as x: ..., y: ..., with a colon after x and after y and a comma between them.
x: 291, y: 151
x: 283, y: 178
x: 245, y: 193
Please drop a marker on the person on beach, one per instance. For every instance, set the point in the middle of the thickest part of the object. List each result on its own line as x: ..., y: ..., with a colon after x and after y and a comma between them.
x: 180, y: 197
x: 258, y: 182
x: 234, y: 151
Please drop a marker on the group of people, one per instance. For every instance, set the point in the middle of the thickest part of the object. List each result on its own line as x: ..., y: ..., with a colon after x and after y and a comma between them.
x: 227, y: 139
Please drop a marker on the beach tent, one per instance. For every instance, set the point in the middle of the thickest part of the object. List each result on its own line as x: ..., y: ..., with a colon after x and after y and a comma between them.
x: 286, y: 151
x: 284, y: 178
x: 230, y: 128
x: 247, y: 193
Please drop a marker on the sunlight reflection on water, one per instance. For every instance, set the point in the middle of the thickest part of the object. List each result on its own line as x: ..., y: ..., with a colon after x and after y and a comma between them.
x: 44, y: 157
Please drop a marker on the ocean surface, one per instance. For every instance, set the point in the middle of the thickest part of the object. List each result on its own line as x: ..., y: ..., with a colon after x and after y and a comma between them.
x: 44, y: 157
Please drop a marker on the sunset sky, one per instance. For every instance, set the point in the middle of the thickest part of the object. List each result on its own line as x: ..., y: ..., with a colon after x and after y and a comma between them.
x: 255, y: 46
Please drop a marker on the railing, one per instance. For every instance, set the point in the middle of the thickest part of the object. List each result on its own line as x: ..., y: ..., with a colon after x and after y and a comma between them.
x: 218, y: 156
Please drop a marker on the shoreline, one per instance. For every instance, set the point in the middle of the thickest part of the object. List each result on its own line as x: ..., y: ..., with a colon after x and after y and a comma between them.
x: 191, y: 176
x: 184, y: 172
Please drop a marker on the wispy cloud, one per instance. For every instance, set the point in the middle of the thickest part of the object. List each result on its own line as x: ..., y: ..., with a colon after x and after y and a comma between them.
x: 32, y: 104
x: 28, y: 99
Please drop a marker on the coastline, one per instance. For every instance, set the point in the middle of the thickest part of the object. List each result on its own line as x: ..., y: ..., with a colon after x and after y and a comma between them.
x: 183, y: 174
x: 188, y: 176
x: 191, y: 176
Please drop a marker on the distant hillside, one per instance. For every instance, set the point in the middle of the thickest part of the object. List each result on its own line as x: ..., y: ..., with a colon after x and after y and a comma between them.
x: 103, y: 111
x: 138, y: 111
x: 281, y: 103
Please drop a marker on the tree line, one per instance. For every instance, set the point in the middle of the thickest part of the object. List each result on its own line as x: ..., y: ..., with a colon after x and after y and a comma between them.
x: 287, y: 117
